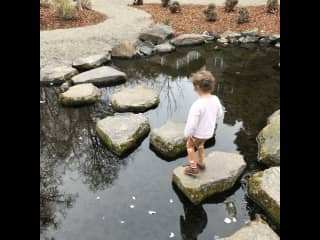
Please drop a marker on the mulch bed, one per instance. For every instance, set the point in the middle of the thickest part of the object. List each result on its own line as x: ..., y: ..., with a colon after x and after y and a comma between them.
x: 191, y: 19
x: 86, y: 17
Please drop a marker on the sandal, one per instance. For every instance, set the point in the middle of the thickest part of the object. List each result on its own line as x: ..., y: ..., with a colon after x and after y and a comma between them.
x: 191, y: 171
x: 201, y: 166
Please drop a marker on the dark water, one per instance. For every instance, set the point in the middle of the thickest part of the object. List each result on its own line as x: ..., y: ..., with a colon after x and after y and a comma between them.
x: 76, y: 168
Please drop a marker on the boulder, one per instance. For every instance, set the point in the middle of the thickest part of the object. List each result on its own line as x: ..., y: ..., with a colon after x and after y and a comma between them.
x: 102, y: 76
x: 86, y: 63
x: 221, y: 173
x: 168, y: 140
x: 165, y: 47
x: 125, y: 50
x: 222, y: 40
x: 53, y: 74
x: 248, y: 39
x: 269, y: 142
x: 80, y: 95
x: 188, y: 39
x: 135, y: 99
x: 157, y: 33
x: 254, y: 230
x: 123, y: 133
x: 264, y: 189
x: 146, y: 48
x: 264, y: 41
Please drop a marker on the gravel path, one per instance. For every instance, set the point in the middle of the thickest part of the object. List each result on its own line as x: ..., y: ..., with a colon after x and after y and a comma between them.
x: 123, y: 23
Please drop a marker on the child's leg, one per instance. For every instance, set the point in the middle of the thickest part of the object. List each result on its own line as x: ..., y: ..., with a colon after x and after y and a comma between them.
x: 191, y: 153
x: 200, y: 146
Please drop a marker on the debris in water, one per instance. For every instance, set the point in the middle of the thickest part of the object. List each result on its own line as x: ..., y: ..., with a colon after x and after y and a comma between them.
x: 131, y: 206
x: 171, y: 235
x: 42, y: 102
x: 102, y: 217
x: 227, y: 220
x: 231, y: 211
x: 237, y: 72
x: 51, y: 84
x: 80, y: 138
x: 171, y: 201
x: 97, y: 197
x: 122, y: 222
x: 133, y: 197
x: 234, y: 219
x: 152, y: 212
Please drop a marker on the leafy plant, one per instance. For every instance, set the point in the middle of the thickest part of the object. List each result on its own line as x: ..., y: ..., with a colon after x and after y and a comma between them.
x: 230, y: 5
x: 65, y: 10
x: 272, y: 6
x: 175, y: 7
x: 165, y: 3
x: 243, y: 16
x: 210, y: 13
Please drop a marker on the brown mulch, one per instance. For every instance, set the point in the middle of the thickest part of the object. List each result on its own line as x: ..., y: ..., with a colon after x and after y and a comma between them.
x: 86, y: 17
x: 191, y: 19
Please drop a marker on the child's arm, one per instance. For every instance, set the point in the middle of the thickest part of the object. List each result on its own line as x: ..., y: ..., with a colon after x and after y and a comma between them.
x: 192, y: 121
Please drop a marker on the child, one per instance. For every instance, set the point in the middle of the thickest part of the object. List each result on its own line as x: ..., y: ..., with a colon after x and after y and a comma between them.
x: 201, y: 119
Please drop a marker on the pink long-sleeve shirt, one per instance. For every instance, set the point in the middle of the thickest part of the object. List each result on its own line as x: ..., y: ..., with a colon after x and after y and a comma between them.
x: 202, y: 117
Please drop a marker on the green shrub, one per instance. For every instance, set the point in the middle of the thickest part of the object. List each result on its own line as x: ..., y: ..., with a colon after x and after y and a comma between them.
x: 165, y: 3
x: 210, y: 13
x: 243, y: 16
x: 230, y: 5
x: 167, y: 21
x: 65, y: 10
x: 175, y: 7
x: 272, y: 6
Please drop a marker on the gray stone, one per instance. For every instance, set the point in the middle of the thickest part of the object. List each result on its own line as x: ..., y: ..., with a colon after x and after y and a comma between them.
x: 252, y: 32
x: 188, y: 39
x: 230, y: 34
x: 264, y: 189
x: 168, y: 140
x: 85, y: 63
x: 80, y: 95
x: 123, y: 133
x: 157, y: 33
x: 274, y: 37
x: 136, y: 99
x: 53, y: 74
x: 277, y: 45
x: 165, y: 47
x: 125, y: 50
x: 254, y: 230
x: 65, y: 86
x: 248, y: 39
x: 269, y: 142
x: 221, y: 173
x: 146, y: 50
x: 222, y: 40
x: 102, y: 76
x: 264, y: 41
x: 274, y: 117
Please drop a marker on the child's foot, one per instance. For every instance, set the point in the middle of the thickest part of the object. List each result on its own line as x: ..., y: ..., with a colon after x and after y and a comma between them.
x: 191, y: 171
x: 201, y: 166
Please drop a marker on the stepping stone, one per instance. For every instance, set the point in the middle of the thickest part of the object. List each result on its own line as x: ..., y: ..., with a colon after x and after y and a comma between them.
x: 80, y: 95
x: 222, y: 171
x: 269, y: 142
x: 157, y: 33
x: 123, y: 133
x: 254, y: 230
x: 264, y: 189
x: 136, y: 99
x: 86, y: 63
x: 188, y: 39
x: 229, y: 35
x: 168, y: 140
x: 274, y: 117
x: 165, y: 47
x: 102, y: 76
x: 125, y: 50
x: 56, y: 74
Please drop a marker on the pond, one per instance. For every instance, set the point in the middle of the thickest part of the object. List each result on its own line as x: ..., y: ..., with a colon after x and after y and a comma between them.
x: 86, y: 191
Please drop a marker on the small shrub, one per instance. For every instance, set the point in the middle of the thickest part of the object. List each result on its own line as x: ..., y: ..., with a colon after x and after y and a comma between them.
x: 86, y: 4
x: 175, y: 7
x: 210, y: 13
x: 167, y: 21
x: 165, y: 3
x: 65, y: 10
x: 272, y: 6
x: 230, y: 5
x: 243, y: 16
x: 138, y: 2
x: 45, y: 3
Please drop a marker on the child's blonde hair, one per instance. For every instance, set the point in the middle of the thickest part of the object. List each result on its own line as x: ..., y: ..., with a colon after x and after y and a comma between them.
x: 204, y: 80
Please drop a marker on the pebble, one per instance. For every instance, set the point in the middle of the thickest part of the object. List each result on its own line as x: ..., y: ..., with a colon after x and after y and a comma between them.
x: 171, y: 235
x: 97, y: 197
x: 152, y: 212
x: 131, y: 206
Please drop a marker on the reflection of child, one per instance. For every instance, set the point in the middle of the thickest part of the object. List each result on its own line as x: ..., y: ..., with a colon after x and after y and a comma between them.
x: 201, y: 119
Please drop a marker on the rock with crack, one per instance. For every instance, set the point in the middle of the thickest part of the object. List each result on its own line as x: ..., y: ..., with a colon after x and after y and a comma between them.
x: 135, y: 99
x: 102, y: 76
x: 54, y: 74
x: 94, y: 61
x: 264, y: 189
x: 269, y: 142
x: 124, y: 50
x: 80, y: 95
x: 221, y: 173
x: 168, y: 140
x: 123, y: 133
x: 157, y: 33
x: 188, y: 39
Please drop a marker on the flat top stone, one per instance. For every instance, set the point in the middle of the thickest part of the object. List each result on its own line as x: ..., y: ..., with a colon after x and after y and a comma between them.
x: 254, y: 230
x: 135, y: 97
x: 86, y: 90
x: 164, y: 47
x: 91, y: 60
x: 53, y: 72
x: 170, y: 132
x: 101, y: 73
x: 220, y: 166
x: 121, y: 127
x: 159, y: 29
x: 274, y: 117
x: 270, y: 183
x: 271, y: 137
x: 125, y: 49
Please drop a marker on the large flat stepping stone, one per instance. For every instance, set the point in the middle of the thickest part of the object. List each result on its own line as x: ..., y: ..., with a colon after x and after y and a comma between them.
x: 123, y: 133
x: 264, y: 189
x: 136, y: 99
x: 254, y: 230
x: 168, y: 140
x: 124, y: 50
x: 157, y: 33
x: 86, y: 63
x: 269, y: 141
x: 80, y: 95
x: 102, y: 76
x: 188, y: 39
x: 222, y: 171
x: 53, y: 74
